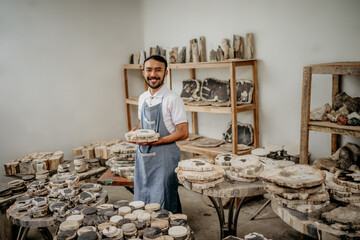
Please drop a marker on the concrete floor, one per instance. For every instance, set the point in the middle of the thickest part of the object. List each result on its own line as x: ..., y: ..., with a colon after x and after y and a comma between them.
x: 203, y: 220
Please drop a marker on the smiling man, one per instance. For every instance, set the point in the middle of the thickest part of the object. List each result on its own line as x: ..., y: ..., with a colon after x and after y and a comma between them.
x: 163, y: 111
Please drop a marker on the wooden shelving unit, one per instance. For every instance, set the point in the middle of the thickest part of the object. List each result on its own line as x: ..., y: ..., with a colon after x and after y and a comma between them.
x: 337, y: 70
x: 233, y: 109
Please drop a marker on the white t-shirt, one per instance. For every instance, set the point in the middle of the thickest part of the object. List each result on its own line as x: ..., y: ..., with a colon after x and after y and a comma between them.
x: 173, y: 109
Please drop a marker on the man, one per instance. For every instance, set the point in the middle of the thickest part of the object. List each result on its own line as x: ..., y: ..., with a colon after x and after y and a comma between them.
x: 163, y: 111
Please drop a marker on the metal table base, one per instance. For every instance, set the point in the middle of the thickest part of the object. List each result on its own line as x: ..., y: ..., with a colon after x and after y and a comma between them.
x: 229, y: 227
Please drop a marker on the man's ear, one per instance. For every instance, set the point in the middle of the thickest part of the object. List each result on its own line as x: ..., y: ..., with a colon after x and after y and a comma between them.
x: 143, y: 73
x: 166, y: 73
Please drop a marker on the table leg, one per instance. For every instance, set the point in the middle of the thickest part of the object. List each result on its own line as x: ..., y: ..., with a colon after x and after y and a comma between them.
x: 228, y: 228
x: 45, y: 233
x: 261, y: 208
x: 23, y: 231
x: 130, y: 189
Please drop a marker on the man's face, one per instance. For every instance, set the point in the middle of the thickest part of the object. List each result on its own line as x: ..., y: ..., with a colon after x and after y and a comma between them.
x: 154, y: 73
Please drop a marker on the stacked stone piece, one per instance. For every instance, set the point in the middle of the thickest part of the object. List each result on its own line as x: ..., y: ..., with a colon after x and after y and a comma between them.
x: 299, y: 187
x: 123, y: 162
x: 199, y: 174
x: 98, y: 149
x: 142, y: 135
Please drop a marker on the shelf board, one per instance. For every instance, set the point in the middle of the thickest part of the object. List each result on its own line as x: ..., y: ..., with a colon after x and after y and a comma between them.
x: 132, y: 66
x: 347, y: 68
x: 222, y: 64
x: 329, y: 127
x: 188, y: 146
x: 212, y: 109
x: 207, y: 109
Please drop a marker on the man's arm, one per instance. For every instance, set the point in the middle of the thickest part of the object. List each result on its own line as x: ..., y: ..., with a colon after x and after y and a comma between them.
x: 181, y: 133
x: 136, y: 128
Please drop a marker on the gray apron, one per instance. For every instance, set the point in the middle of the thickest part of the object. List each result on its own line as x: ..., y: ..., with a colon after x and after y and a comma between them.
x: 155, y: 180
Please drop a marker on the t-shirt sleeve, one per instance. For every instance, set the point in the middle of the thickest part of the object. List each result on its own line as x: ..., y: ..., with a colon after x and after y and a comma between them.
x: 178, y: 112
x: 141, y: 101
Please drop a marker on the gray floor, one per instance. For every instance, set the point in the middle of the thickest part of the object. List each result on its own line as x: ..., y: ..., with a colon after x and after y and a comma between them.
x: 203, y: 219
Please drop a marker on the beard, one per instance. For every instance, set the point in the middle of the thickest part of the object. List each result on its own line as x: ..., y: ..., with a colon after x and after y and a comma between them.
x: 156, y: 85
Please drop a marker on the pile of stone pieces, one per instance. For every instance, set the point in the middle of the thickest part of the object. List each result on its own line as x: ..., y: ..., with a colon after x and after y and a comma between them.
x: 14, y: 187
x: 246, y: 168
x: 345, y: 111
x: 34, y: 162
x: 98, y: 149
x: 346, y: 157
x: 142, y: 135
x: 215, y: 92
x: 124, y: 220
x: 344, y: 186
x: 278, y: 152
x: 123, y: 162
x: 199, y: 174
x: 345, y: 218
x: 299, y: 187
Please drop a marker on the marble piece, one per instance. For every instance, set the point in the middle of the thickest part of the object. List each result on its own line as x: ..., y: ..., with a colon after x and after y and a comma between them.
x: 207, y: 142
x: 244, y: 91
x: 295, y: 176
x: 195, y: 164
x: 245, y: 133
x: 215, y: 90
x: 191, y: 89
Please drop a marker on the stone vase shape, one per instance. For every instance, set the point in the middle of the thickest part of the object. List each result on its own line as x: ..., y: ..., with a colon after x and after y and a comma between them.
x: 245, y: 133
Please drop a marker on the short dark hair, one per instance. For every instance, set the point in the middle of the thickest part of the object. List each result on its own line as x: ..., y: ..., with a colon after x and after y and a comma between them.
x: 158, y: 58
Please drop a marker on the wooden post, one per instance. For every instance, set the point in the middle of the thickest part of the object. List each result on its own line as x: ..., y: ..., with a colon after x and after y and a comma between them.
x: 127, y: 106
x: 305, y: 115
x: 233, y: 99
x: 256, y: 102
x: 336, y: 88
x: 194, y: 116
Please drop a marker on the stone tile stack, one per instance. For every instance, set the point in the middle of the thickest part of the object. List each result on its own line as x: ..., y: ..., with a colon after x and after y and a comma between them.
x: 299, y: 187
x: 34, y: 162
x: 98, y: 149
x: 123, y: 162
x: 199, y: 174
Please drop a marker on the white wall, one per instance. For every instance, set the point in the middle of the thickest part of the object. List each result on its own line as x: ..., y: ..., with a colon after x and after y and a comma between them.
x: 60, y: 72
x: 288, y: 36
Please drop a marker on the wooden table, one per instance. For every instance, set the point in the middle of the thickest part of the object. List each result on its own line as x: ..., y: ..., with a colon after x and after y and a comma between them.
x: 229, y: 189
x: 109, y: 178
x: 310, y: 224
x: 25, y: 221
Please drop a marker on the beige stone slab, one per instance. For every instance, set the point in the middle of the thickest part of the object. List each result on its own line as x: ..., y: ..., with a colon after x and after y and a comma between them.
x: 295, y: 176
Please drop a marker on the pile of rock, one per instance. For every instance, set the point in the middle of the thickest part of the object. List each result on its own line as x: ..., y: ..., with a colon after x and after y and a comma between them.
x: 344, y: 186
x: 299, y: 187
x: 245, y: 168
x: 142, y: 135
x: 17, y: 186
x: 199, y: 174
x: 125, y: 220
x: 34, y: 162
x: 97, y: 149
x: 123, y: 162
x: 224, y: 160
x: 344, y: 218
x: 289, y: 152
x: 345, y: 111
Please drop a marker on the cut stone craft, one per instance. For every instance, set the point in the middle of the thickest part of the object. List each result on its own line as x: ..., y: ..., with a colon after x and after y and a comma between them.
x: 142, y: 135
x: 244, y: 91
x: 215, y: 90
x: 191, y: 89
x: 207, y: 142
x: 245, y: 133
